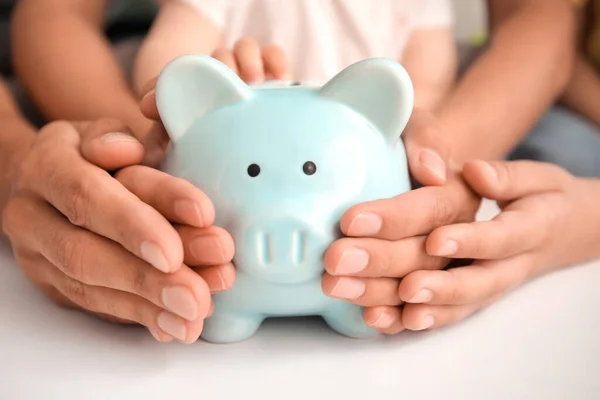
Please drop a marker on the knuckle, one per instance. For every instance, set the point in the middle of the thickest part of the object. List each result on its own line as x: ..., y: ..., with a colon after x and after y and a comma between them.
x: 70, y: 256
x: 77, y: 201
x: 77, y: 293
x: 140, y: 282
x: 443, y: 211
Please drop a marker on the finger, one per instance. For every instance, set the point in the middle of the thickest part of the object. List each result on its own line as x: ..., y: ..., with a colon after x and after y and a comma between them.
x: 92, y: 199
x: 226, y: 57
x: 414, y: 213
x: 177, y: 200
x: 366, y: 292
x: 502, y: 180
x: 385, y: 319
x: 149, y: 86
x: 464, y: 285
x: 218, y: 278
x: 425, y: 149
x: 374, y: 258
x: 148, y: 105
x: 209, y: 246
x: 130, y: 307
x: 418, y: 317
x: 109, y: 144
x: 92, y: 260
x: 275, y: 63
x: 510, y: 233
x: 249, y: 60
x: 156, y: 144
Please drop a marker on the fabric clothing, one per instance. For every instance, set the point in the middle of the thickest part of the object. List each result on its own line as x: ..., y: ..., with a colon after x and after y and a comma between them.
x: 322, y: 37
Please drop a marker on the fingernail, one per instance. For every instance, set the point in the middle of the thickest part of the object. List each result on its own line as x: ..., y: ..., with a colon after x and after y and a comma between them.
x: 172, y: 325
x: 180, y: 301
x: 428, y: 322
x: 348, y: 288
x: 148, y: 93
x: 433, y: 162
x: 365, y: 224
x: 188, y: 210
x: 423, y: 296
x: 447, y: 249
x: 352, y: 261
x: 154, y: 256
x: 211, y: 310
x: 384, y: 321
x: 208, y: 249
x: 113, y: 137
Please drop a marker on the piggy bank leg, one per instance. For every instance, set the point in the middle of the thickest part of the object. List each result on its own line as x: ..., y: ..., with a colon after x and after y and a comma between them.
x: 347, y: 319
x: 230, y: 327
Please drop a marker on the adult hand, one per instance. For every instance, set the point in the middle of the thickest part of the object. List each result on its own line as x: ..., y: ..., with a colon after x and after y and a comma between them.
x: 105, y: 245
x: 549, y: 220
x: 385, y: 239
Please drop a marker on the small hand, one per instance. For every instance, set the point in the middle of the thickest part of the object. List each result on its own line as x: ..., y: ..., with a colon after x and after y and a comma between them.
x: 385, y: 239
x: 90, y: 243
x: 255, y: 64
x: 549, y: 220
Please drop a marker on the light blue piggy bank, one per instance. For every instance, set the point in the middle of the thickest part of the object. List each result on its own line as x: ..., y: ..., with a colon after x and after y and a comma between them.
x: 282, y: 163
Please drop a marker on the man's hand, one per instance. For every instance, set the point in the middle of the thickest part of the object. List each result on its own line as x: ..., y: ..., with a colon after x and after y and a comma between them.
x: 385, y: 239
x: 106, y: 245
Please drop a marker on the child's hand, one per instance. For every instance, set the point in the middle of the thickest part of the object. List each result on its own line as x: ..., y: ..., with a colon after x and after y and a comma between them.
x: 105, y: 245
x: 254, y: 64
x: 385, y: 239
x: 549, y: 220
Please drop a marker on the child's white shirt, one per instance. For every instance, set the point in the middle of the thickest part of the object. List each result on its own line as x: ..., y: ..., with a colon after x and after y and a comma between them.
x: 321, y: 37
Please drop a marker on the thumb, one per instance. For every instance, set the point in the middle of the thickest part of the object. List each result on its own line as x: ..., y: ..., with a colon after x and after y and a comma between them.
x: 511, y: 180
x: 109, y: 144
x: 156, y: 144
x: 426, y: 152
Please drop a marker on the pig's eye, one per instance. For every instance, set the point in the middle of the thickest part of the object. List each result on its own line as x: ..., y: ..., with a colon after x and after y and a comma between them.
x: 309, y: 168
x: 253, y: 170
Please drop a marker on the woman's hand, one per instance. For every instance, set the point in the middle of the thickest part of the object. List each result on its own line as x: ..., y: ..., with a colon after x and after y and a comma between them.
x: 105, y: 244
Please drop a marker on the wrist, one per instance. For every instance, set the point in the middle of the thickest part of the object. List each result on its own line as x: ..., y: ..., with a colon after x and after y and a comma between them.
x: 15, y: 139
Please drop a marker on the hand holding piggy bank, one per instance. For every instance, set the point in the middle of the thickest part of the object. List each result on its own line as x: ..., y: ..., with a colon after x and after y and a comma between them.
x: 281, y: 164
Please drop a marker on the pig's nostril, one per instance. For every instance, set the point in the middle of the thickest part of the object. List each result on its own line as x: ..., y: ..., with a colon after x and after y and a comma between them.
x: 265, y: 248
x: 299, y: 246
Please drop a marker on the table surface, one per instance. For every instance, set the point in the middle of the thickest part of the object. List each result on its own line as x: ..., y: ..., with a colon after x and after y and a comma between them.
x: 539, y: 342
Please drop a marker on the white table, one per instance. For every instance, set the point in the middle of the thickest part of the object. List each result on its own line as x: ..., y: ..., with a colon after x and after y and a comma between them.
x: 540, y: 342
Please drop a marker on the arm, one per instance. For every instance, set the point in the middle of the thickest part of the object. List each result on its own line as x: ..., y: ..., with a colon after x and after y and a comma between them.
x: 523, y: 71
x: 67, y: 65
x: 431, y: 60
x: 582, y: 94
x: 178, y: 29
x: 16, y: 135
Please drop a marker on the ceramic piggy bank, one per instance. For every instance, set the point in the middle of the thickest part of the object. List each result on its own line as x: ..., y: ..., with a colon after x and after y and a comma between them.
x: 281, y: 164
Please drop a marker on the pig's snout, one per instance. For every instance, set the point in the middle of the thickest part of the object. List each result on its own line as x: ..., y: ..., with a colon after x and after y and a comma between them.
x: 280, y: 250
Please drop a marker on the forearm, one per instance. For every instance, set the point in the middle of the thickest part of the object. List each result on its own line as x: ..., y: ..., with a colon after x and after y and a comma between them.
x: 431, y: 60
x: 177, y: 30
x: 68, y: 66
x: 506, y: 91
x: 582, y: 94
x: 16, y: 135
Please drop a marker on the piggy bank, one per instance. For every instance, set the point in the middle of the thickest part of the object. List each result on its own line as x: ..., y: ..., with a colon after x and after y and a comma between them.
x: 281, y: 164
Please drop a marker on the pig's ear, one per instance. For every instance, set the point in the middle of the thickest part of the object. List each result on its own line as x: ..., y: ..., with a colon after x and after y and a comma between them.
x: 191, y: 85
x: 378, y: 89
